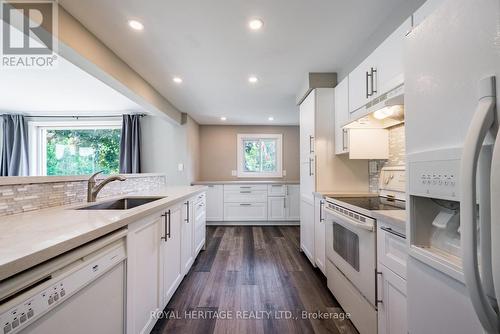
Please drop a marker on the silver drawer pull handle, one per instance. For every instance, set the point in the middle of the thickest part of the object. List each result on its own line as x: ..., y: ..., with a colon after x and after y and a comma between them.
x: 245, y: 204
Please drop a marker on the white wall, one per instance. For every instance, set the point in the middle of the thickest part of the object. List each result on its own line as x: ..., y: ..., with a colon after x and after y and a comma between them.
x: 165, y: 145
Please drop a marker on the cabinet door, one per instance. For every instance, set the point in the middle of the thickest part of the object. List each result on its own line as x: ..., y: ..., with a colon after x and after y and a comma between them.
x: 389, y: 60
x: 392, y: 317
x: 307, y: 154
x: 215, y: 202
x: 358, y: 81
x: 276, y: 208
x: 200, y: 228
x: 319, y: 235
x: 187, y: 233
x: 293, y: 202
x: 144, y: 273
x: 307, y: 228
x: 341, y: 116
x: 171, y: 250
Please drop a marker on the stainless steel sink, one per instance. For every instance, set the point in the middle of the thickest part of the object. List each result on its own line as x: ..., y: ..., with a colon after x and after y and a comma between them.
x: 122, y: 204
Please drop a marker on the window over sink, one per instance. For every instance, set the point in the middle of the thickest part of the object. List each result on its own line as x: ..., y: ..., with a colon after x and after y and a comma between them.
x: 260, y: 155
x: 74, y: 148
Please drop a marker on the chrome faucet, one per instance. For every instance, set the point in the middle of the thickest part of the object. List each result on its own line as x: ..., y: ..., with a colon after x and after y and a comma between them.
x: 93, y: 190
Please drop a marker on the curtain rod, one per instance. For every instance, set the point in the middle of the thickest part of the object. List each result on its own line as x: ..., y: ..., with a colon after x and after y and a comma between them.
x: 77, y: 117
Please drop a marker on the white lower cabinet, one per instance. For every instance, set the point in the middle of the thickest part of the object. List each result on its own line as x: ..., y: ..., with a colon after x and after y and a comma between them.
x: 319, y: 235
x: 293, y: 202
x: 392, y: 318
x: 307, y: 228
x: 276, y: 208
x: 171, y: 250
x: 215, y: 202
x: 199, y: 214
x: 245, y: 211
x: 187, y: 233
x: 392, y: 257
x: 161, y: 250
x: 144, y: 273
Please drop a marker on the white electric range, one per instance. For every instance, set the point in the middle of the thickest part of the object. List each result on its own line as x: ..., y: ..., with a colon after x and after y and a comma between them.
x: 351, y: 244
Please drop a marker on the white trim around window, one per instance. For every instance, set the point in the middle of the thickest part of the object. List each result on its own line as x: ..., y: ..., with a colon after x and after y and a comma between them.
x: 241, y: 155
x: 37, y: 132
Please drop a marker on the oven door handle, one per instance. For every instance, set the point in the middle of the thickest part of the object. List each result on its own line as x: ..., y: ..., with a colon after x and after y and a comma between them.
x: 368, y: 227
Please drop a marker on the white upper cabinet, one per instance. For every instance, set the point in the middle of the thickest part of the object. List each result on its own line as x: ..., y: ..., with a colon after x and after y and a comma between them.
x: 389, y: 60
x: 382, y: 71
x: 341, y: 116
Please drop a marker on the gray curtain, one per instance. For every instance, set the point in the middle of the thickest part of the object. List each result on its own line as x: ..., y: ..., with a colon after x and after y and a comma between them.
x: 130, y: 145
x: 14, y: 146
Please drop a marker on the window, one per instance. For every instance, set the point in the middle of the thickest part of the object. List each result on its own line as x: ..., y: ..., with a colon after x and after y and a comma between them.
x: 260, y: 155
x: 75, y: 148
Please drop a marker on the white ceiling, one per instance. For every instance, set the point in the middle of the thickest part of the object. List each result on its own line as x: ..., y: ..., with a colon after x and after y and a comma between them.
x: 208, y: 44
x: 63, y: 90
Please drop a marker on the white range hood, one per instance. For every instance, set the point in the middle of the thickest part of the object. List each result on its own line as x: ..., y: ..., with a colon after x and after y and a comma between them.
x: 382, y: 112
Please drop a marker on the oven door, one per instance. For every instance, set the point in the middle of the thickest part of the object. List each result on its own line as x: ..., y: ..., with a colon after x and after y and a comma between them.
x: 351, y: 248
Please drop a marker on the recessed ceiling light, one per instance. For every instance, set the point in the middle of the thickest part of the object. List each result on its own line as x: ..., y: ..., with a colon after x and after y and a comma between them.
x: 177, y: 80
x: 136, y: 25
x: 253, y: 79
x: 256, y: 24
x: 223, y: 118
x: 271, y: 118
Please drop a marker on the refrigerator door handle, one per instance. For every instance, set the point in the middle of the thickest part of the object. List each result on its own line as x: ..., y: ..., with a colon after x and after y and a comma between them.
x: 481, y: 124
x: 495, y: 215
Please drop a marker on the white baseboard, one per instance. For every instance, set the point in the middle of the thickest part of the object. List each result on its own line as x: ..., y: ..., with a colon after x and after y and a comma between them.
x: 254, y: 223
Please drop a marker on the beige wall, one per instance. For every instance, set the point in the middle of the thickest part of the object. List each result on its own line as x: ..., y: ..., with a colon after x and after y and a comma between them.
x: 218, y: 150
x: 165, y: 145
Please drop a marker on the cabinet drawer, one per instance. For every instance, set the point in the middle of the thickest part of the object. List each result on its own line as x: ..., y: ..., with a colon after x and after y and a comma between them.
x: 276, y: 189
x: 246, y: 196
x: 245, y: 187
x: 245, y: 211
x: 392, y: 251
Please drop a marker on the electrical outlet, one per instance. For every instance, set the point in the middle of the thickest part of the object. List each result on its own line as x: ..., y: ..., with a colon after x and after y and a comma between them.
x: 284, y: 172
x: 234, y: 173
x: 180, y: 167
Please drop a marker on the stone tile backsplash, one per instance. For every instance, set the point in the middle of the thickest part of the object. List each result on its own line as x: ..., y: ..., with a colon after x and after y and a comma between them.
x: 397, y: 153
x: 28, y: 197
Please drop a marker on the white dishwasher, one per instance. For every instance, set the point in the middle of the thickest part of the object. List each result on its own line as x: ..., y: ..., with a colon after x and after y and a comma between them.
x: 79, y: 292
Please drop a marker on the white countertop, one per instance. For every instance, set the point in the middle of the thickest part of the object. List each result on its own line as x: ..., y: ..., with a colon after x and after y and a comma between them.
x: 245, y: 182
x: 30, y: 238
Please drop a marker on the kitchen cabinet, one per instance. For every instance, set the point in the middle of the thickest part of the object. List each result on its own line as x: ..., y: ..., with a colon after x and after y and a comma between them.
x: 342, y: 117
x: 380, y: 72
x: 392, y: 305
x: 319, y: 234
x: 215, y: 202
x: 171, y: 251
x: 320, y: 168
x: 200, y: 228
x: 293, y: 202
x: 245, y: 211
x: 368, y: 144
x: 392, y: 255
x: 307, y: 228
x: 187, y: 234
x: 144, y: 273
x: 276, y: 207
x: 276, y: 189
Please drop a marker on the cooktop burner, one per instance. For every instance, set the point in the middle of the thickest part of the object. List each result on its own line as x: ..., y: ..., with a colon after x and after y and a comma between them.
x: 373, y: 203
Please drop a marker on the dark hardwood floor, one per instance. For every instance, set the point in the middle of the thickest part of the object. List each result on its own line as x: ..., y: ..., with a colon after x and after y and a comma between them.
x: 253, y: 279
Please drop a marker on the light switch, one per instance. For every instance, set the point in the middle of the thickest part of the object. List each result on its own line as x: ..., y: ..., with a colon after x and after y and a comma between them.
x: 180, y: 167
x: 284, y: 172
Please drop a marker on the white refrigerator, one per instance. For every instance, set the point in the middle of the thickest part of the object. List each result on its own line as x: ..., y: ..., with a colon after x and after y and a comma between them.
x: 451, y: 62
